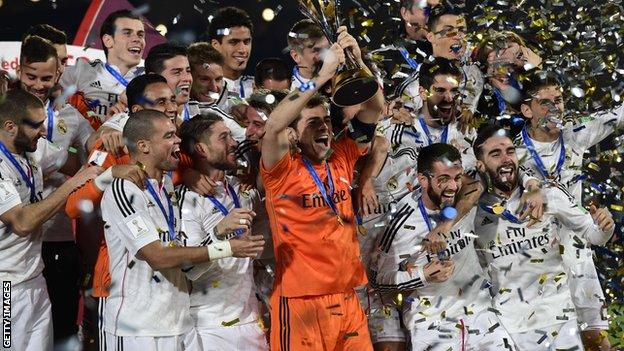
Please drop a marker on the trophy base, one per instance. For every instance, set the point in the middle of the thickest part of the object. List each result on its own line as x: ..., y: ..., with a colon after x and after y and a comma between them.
x: 353, y: 87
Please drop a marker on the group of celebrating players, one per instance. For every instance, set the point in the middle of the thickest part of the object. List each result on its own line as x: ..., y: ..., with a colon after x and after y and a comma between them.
x: 183, y: 205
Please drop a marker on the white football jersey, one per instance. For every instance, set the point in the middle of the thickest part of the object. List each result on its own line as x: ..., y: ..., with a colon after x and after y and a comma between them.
x: 401, y: 261
x: 213, y: 301
x: 525, y: 264
x: 142, y: 301
x: 99, y: 86
x: 240, y: 88
x: 67, y: 129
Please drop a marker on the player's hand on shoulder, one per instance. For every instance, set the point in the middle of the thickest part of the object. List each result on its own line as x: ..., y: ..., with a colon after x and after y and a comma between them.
x: 112, y: 140
x: 133, y: 173
x: 84, y: 175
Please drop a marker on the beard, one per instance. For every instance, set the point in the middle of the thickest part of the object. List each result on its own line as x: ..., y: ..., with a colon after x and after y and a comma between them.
x: 442, y: 120
x: 496, y: 181
x: 22, y: 142
x: 437, y: 198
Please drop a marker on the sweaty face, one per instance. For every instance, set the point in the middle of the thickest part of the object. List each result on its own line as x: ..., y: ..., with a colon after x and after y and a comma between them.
x: 448, y: 38
x: 128, y: 41
x: 235, y: 48
x: 38, y: 78
x: 165, y: 145
x: 207, y: 82
x: 221, y: 147
x: 547, y: 107
x: 177, y: 72
x: 314, y: 132
x: 500, y: 162
x: 159, y: 97
x: 443, y: 99
x: 444, y: 182
x: 255, y: 129
x: 30, y: 130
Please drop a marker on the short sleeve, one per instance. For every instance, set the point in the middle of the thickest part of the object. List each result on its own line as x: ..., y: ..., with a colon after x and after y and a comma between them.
x: 9, y: 197
x: 83, y: 131
x: 125, y: 207
x: 70, y: 76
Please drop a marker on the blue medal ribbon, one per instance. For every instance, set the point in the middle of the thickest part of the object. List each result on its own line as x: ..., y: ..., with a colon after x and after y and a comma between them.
x: 506, y: 214
x: 116, y: 75
x: 222, y: 208
x: 186, y: 115
x: 538, y: 160
x: 242, y: 88
x: 321, y: 187
x: 425, y: 215
x: 50, y: 121
x: 169, y: 218
x: 410, y: 61
x: 304, y: 85
x: 443, y: 137
x: 30, y: 181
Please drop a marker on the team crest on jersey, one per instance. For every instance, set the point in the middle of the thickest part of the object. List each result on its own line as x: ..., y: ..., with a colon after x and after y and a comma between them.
x: 33, y: 165
x: 61, y: 126
x: 392, y: 184
x: 245, y: 194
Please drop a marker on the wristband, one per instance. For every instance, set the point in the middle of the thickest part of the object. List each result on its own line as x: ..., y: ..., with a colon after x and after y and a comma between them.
x: 219, y: 250
x: 103, y: 180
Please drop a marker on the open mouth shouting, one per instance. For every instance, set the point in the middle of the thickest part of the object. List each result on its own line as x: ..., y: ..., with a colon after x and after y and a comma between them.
x: 184, y: 89
x: 506, y: 173
x: 135, y: 51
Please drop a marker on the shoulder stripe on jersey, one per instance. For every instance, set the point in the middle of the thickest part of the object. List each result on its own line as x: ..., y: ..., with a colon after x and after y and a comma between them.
x: 394, y: 226
x: 396, y: 130
x: 119, y: 193
x: 405, y: 151
x: 182, y: 195
x: 405, y: 286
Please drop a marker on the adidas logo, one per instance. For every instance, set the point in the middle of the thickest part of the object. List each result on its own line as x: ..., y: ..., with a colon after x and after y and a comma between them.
x: 486, y: 220
x: 96, y: 84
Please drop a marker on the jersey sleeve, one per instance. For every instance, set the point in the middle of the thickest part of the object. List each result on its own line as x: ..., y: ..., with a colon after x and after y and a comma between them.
x: 346, y: 151
x: 9, y: 197
x: 125, y: 208
x: 70, y: 76
x: 274, y: 177
x: 600, y: 126
x: 83, y: 132
x: 575, y: 218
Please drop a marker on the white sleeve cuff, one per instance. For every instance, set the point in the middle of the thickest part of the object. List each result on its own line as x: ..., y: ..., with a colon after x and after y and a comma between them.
x: 421, y: 275
x: 104, y: 180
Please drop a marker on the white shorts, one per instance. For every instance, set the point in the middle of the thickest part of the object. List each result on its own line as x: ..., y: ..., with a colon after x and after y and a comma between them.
x: 480, y: 332
x: 567, y: 338
x: 384, y: 323
x: 31, y: 316
x: 587, y: 295
x: 244, y: 337
x: 184, y: 342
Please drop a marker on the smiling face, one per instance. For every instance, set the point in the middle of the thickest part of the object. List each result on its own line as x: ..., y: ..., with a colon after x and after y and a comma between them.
x: 38, y: 78
x: 177, y: 72
x: 442, y: 99
x: 235, y: 48
x: 127, y: 43
x: 448, y: 38
x: 220, y: 147
x: 159, y: 97
x: 207, y: 82
x: 164, y: 145
x: 546, y: 108
x: 499, y: 161
x: 314, y: 132
x: 255, y: 129
x: 443, y: 183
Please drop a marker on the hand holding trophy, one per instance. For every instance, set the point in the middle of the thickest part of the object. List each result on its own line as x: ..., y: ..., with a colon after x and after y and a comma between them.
x: 353, y: 84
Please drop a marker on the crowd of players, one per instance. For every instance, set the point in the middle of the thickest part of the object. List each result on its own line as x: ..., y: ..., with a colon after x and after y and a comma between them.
x: 182, y: 205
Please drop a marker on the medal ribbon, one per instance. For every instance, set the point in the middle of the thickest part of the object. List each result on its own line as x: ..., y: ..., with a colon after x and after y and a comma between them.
x: 116, y: 75
x: 50, y: 120
x: 423, y: 212
x: 304, y: 85
x: 223, y: 209
x: 169, y: 218
x: 505, y: 214
x: 320, y: 186
x: 29, y: 180
x: 410, y: 61
x: 186, y: 115
x: 443, y: 137
x: 538, y: 160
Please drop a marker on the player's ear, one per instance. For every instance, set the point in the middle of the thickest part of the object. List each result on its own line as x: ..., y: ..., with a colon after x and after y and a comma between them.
x: 201, y: 149
x: 143, y: 146
x: 526, y: 110
x: 108, y: 41
x: 480, y: 166
x: 423, y: 180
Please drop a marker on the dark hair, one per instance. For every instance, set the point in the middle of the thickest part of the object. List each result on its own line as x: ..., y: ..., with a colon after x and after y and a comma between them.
x: 430, y: 154
x: 271, y: 68
x: 316, y: 100
x: 36, y: 49
x: 155, y: 60
x: 16, y: 104
x: 258, y: 100
x: 535, y: 81
x: 302, y: 32
x: 46, y: 31
x: 141, y: 126
x: 135, y: 91
x: 408, y: 4
x: 225, y: 18
x: 439, y: 66
x: 193, y: 130
x: 108, y: 26
x: 201, y: 53
x: 485, y: 133
x: 442, y: 10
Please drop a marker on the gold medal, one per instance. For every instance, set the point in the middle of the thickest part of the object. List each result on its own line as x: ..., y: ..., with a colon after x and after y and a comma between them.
x: 498, y: 208
x: 392, y: 184
x: 362, y: 230
x: 339, y: 220
x: 141, y: 166
x: 61, y: 126
x: 172, y: 244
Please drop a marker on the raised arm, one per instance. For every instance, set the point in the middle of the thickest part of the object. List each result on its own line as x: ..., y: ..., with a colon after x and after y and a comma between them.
x: 275, y: 143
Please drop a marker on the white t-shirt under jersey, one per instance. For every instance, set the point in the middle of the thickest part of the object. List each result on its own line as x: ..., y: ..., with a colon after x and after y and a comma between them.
x: 223, y: 290
x: 142, y: 301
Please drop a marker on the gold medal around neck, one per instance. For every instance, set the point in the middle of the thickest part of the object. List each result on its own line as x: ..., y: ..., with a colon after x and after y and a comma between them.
x: 172, y: 244
x: 362, y: 230
x: 140, y: 165
x: 392, y: 184
x: 61, y: 126
x: 498, y: 208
